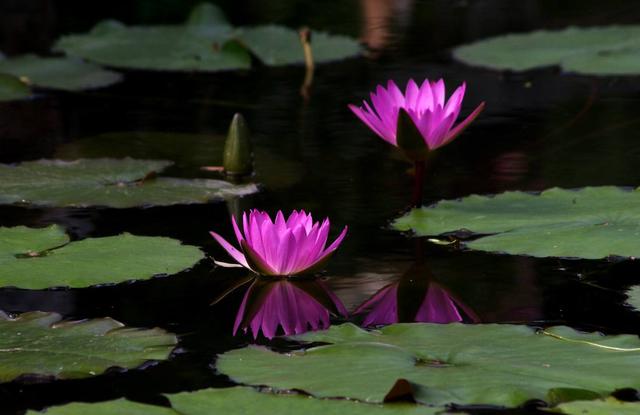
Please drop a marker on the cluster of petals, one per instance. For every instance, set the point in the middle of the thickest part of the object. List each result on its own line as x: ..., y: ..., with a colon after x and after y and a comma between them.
x: 438, y: 306
x: 425, y: 104
x: 281, y: 247
x: 284, y: 305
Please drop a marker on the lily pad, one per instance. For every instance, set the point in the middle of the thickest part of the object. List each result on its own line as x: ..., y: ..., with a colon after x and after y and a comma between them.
x: 592, y: 222
x: 117, y: 407
x: 465, y: 364
x: 58, y: 73
x: 12, y: 88
x: 607, y: 50
x: 242, y: 401
x: 206, y: 42
x: 247, y: 401
x: 598, y: 407
x: 279, y: 45
x: 41, y: 344
x: 37, y: 258
x: 116, y: 183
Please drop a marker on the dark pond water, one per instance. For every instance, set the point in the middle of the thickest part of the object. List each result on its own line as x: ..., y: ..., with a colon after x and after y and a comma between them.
x: 540, y: 129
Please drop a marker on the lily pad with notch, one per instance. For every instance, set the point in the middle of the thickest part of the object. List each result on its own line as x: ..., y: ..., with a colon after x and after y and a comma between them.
x: 116, y: 183
x: 494, y: 364
x: 591, y: 222
x: 41, y: 345
x: 39, y: 258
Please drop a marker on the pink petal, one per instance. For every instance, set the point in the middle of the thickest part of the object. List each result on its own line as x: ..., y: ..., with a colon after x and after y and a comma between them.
x: 369, y: 120
x: 237, y: 255
x: 263, y: 266
x: 437, y: 89
x: 396, y: 94
x: 411, y: 95
x: 425, y: 98
x: 460, y: 127
x: 455, y: 101
x: 239, y: 236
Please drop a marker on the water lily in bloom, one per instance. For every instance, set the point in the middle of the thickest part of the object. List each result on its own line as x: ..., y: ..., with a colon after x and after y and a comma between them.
x: 427, y: 109
x: 295, y: 306
x: 282, y: 247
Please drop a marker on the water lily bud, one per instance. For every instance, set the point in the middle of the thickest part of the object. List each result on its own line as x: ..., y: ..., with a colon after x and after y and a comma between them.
x: 238, y: 154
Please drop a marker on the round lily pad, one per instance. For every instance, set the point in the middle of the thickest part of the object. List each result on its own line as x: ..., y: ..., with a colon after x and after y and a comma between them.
x: 58, y: 73
x: 465, y: 364
x: 607, y: 50
x: 116, y: 183
x: 41, y: 344
x: 37, y: 258
x: 12, y: 88
x: 206, y: 42
x: 592, y: 222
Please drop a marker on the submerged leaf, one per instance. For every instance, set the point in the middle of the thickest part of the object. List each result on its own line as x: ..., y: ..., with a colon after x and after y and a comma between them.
x: 41, y: 344
x: 37, y: 258
x: 11, y: 88
x: 592, y: 222
x: 495, y: 364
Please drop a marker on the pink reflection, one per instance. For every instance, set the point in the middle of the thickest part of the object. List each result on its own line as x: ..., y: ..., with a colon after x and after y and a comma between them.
x: 292, y: 306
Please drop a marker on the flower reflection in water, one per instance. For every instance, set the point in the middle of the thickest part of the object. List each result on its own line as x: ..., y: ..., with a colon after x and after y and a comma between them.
x: 295, y: 306
x: 416, y: 297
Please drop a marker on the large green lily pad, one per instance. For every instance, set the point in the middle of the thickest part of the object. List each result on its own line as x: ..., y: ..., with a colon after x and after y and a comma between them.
x: 37, y: 258
x: 592, y: 222
x: 117, y: 183
x: 58, y: 73
x: 464, y: 364
x: 241, y: 401
x: 41, y: 344
x: 608, y: 406
x: 607, y: 50
x: 12, y: 88
x: 206, y: 42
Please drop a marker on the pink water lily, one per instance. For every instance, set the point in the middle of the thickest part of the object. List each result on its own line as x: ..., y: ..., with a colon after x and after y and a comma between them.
x: 433, y: 117
x: 283, y: 247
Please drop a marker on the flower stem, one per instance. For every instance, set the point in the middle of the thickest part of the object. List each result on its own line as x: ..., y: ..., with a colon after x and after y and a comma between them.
x: 418, y: 183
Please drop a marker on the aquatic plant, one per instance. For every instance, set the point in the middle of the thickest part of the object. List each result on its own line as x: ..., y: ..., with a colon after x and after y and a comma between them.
x: 432, y: 116
x: 296, y: 306
x: 282, y: 247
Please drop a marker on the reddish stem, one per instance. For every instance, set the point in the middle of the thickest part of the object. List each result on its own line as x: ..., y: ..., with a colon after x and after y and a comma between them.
x: 418, y: 183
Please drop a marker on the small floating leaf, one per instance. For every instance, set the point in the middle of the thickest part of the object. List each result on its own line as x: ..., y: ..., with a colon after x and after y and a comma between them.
x: 592, y: 222
x: 598, y: 407
x: 116, y: 183
x: 607, y: 50
x: 37, y: 258
x: 58, y: 73
x: 41, y: 344
x: 496, y: 364
x: 12, y: 88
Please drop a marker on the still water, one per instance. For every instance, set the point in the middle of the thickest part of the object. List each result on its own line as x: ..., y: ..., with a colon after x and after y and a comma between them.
x: 540, y: 129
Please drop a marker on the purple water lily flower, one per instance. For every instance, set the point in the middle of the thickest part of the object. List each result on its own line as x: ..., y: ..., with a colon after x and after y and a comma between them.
x: 426, y: 106
x: 293, y: 306
x: 282, y: 247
